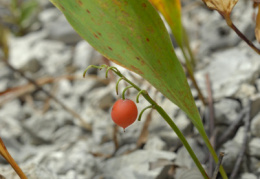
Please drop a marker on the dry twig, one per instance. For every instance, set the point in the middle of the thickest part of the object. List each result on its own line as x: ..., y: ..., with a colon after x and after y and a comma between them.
x: 243, y: 148
x: 72, y: 112
x: 220, y: 158
x: 231, y: 131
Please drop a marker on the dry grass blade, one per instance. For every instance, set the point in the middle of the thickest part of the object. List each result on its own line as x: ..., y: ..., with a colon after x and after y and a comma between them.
x: 145, y: 132
x: 220, y: 158
x: 65, y: 107
x: 115, y: 140
x: 16, y: 92
x: 4, y: 152
x: 257, y: 27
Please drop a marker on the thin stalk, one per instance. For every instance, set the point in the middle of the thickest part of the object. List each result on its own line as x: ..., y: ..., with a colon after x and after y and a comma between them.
x: 171, y: 124
x: 214, y: 155
x: 187, y: 45
x: 241, y: 35
x: 191, y: 75
x: 183, y: 140
x: 4, y: 152
x: 220, y: 158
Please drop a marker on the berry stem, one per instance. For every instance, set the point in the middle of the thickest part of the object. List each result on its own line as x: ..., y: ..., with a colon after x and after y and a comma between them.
x: 123, y: 93
x: 171, y: 124
x: 140, y: 92
x: 118, y: 84
x: 141, y: 113
x: 166, y: 118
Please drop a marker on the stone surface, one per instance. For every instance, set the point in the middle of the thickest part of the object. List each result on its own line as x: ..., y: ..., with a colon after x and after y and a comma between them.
x: 84, y: 55
x: 239, y: 137
x: 248, y: 176
x: 227, y: 75
x: 20, y: 53
x: 48, y: 142
x: 254, y: 147
x: 255, y: 126
x: 102, y: 97
x: 155, y: 143
x: 231, y: 150
x: 183, y: 158
x: 135, y: 165
x: 32, y: 171
x: 53, y: 20
x: 215, y: 34
x: 226, y: 111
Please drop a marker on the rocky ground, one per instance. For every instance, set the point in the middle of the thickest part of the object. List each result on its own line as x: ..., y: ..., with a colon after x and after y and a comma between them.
x: 48, y: 141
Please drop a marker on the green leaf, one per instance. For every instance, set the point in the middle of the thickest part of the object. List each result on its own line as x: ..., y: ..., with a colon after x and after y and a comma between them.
x: 27, y: 9
x: 171, y: 10
x: 132, y: 34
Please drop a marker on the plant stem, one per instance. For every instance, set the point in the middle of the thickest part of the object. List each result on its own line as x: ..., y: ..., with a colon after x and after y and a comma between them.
x: 183, y: 140
x: 171, y: 124
x: 214, y: 155
x: 241, y: 35
x: 221, y: 155
x: 191, y: 75
x: 187, y: 45
x: 4, y: 152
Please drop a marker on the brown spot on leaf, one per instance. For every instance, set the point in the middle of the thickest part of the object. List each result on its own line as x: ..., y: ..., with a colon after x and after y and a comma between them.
x: 61, y: 6
x: 150, y: 29
x: 144, y: 5
x: 95, y: 35
x: 148, y: 40
x: 80, y: 2
x: 88, y: 11
x: 99, y: 34
x: 140, y: 60
x: 136, y: 70
x: 110, y: 48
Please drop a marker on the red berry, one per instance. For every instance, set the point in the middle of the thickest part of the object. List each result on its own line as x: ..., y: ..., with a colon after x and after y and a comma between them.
x: 124, y: 112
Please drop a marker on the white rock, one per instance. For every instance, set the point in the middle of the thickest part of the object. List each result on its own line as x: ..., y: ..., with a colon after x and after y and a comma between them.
x: 21, y: 56
x: 253, y: 164
x: 215, y: 33
x: 239, y: 137
x: 245, y: 91
x: 231, y: 150
x: 226, y: 76
x: 64, y: 88
x: 257, y: 83
x: 102, y: 97
x: 155, y: 143
x: 254, y: 147
x: 31, y: 171
x: 53, y: 55
x: 226, y: 111
x: 83, y: 55
x: 255, y: 126
x: 183, y: 157
x: 135, y: 164
x: 52, y: 21
x: 248, y: 176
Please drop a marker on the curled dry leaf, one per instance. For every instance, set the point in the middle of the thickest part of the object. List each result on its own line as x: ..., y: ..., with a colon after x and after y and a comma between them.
x: 257, y: 27
x: 224, y: 7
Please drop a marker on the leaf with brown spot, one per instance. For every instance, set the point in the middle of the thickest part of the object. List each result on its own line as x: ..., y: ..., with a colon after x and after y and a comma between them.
x: 257, y: 27
x: 125, y: 27
x: 224, y: 7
